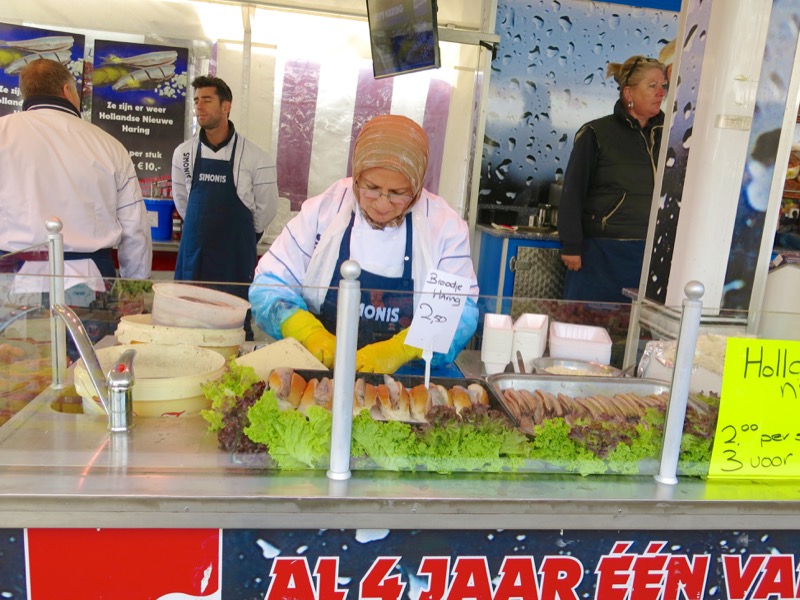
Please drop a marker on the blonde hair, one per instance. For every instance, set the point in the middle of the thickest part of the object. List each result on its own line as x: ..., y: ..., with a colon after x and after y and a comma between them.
x: 632, y: 71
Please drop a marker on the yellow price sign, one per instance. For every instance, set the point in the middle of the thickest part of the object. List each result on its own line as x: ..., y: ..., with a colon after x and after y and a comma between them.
x: 758, y: 430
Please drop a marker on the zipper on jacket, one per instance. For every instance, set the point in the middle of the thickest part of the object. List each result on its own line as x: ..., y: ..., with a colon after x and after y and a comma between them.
x: 610, y: 214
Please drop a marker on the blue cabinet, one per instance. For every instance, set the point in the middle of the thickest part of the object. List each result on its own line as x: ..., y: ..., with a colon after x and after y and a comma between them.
x: 507, y: 260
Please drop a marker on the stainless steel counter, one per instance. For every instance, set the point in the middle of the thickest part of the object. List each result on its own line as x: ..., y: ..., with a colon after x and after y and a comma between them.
x: 66, y: 470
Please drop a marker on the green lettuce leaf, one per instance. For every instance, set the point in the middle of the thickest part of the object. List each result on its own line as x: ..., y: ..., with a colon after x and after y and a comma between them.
x: 223, y: 392
x: 295, y: 441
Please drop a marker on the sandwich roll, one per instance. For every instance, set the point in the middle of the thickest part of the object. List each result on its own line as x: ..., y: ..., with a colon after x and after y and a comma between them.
x: 288, y: 387
x: 297, y: 388
x: 420, y: 403
x: 477, y: 394
x: 440, y: 396
x: 460, y: 398
x: 323, y: 393
x: 399, y: 401
x: 383, y: 405
x: 307, y: 398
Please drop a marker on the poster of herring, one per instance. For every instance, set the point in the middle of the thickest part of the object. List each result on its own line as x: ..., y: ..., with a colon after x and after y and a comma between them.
x: 139, y: 97
x: 20, y: 45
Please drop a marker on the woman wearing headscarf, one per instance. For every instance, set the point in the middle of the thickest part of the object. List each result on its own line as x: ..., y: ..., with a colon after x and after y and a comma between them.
x: 395, y: 229
x: 608, y: 187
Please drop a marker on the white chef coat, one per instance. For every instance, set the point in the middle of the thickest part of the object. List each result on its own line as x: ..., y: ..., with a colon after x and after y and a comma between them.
x: 305, y: 252
x: 54, y: 164
x: 254, y: 175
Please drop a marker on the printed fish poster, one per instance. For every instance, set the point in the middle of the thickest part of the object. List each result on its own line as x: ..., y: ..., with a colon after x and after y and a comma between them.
x: 20, y: 45
x: 139, y: 97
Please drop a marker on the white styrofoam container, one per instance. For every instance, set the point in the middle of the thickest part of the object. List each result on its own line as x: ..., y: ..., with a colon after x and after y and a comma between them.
x: 184, y: 305
x: 530, y: 339
x: 168, y: 379
x: 498, y: 335
x: 580, y: 342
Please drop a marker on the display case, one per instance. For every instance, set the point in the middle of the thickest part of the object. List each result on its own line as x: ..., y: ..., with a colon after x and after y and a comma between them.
x: 164, y: 510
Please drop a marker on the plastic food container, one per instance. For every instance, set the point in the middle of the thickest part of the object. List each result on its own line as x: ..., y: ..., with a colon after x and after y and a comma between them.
x: 139, y: 329
x: 530, y: 339
x: 570, y: 367
x: 167, y: 379
x: 182, y: 305
x: 498, y: 337
x: 580, y: 342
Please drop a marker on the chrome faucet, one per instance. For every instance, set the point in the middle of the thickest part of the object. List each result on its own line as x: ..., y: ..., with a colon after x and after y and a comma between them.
x: 114, y: 390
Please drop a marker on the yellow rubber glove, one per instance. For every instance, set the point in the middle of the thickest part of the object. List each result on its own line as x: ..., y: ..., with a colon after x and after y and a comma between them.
x: 386, y: 356
x: 306, y: 329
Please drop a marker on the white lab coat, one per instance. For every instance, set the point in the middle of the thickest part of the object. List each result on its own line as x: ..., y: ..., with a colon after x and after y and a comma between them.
x: 54, y: 164
x: 254, y: 175
x: 305, y: 252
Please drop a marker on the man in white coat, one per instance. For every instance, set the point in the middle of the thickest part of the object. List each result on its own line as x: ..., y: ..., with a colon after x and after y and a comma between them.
x: 396, y: 230
x: 54, y: 164
x: 225, y: 188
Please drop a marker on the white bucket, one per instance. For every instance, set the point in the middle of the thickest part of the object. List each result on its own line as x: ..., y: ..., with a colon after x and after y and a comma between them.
x: 182, y: 305
x: 167, y: 379
x: 140, y: 329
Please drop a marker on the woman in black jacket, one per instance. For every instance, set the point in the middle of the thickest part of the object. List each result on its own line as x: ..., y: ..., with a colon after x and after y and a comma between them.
x: 608, y: 187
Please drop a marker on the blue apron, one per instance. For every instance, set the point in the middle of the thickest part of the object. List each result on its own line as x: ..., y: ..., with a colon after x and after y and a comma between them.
x: 387, y: 303
x: 607, y: 266
x: 219, y: 239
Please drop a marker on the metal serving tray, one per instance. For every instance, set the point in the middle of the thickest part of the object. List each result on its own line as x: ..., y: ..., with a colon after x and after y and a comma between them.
x: 576, y: 385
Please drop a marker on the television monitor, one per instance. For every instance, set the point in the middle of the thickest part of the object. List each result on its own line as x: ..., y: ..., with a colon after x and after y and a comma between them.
x: 403, y: 36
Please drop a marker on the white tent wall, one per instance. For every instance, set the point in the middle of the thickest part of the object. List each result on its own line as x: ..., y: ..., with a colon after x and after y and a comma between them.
x: 251, y: 61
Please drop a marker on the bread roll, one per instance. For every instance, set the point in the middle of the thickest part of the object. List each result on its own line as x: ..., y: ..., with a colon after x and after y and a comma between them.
x: 307, y: 397
x: 420, y: 402
x: 297, y: 388
x: 440, y: 396
x: 399, y: 402
x: 383, y: 402
x: 477, y: 394
x: 288, y: 387
x: 323, y: 393
x: 460, y: 398
x: 365, y: 395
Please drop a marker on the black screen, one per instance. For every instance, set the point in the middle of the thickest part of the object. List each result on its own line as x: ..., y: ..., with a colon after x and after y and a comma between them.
x: 403, y: 36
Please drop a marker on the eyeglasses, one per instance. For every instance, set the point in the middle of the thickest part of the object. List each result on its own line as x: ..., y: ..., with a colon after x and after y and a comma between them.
x: 641, y: 60
x: 375, y: 193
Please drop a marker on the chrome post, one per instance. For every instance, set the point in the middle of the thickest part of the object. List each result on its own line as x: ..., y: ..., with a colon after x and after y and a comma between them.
x: 58, y: 334
x: 120, y: 393
x: 345, y: 369
x: 681, y: 376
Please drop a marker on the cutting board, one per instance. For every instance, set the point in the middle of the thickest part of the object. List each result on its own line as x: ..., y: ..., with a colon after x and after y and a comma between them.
x: 284, y: 353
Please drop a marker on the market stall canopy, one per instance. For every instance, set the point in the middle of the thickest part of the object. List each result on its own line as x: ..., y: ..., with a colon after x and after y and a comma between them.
x: 191, y: 19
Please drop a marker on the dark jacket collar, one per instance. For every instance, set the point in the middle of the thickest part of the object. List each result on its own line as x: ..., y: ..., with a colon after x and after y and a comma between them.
x: 231, y: 133
x: 51, y: 102
x: 622, y: 114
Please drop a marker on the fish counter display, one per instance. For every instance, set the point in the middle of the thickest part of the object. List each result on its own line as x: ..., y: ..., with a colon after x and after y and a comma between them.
x: 513, y: 423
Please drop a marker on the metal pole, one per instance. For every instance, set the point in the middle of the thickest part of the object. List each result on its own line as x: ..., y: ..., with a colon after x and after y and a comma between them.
x: 58, y: 334
x: 679, y: 389
x: 345, y: 369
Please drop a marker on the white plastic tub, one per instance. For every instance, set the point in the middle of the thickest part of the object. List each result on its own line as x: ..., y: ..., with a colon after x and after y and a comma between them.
x: 530, y: 339
x: 140, y: 329
x: 581, y: 342
x: 498, y: 336
x: 182, y: 305
x: 167, y: 379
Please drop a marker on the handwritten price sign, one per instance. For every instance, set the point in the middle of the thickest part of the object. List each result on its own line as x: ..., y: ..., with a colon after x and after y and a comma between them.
x: 438, y: 311
x: 758, y: 430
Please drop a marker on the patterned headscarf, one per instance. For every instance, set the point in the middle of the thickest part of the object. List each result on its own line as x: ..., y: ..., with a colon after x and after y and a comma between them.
x: 393, y: 142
